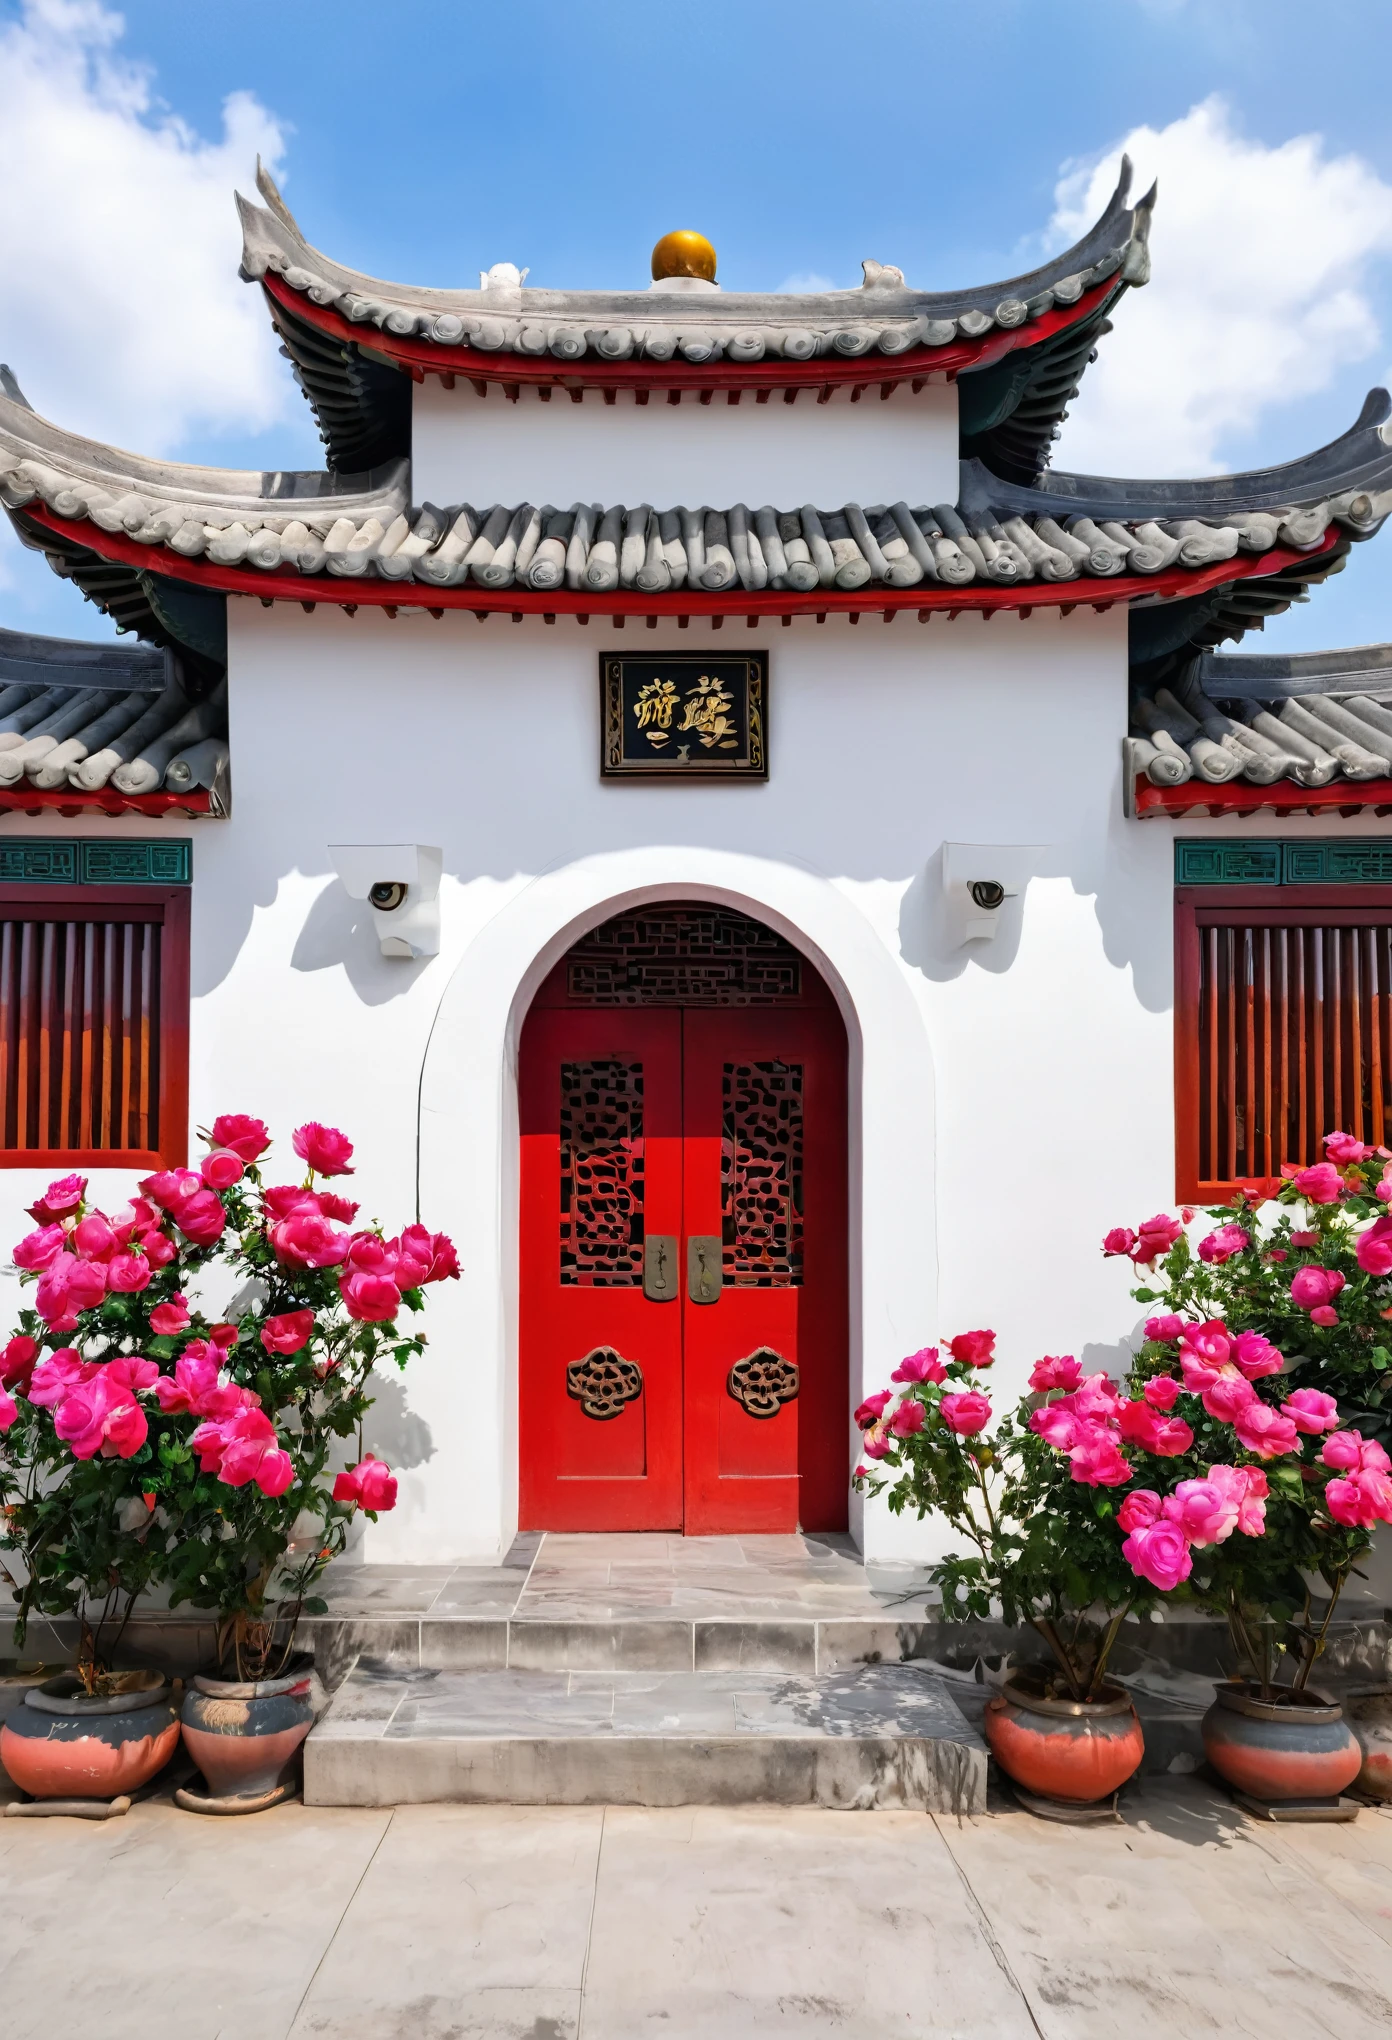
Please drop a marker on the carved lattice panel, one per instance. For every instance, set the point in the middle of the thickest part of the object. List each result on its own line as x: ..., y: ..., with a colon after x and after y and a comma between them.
x: 601, y: 1218
x: 761, y: 1175
x: 604, y: 1383
x: 684, y: 956
x: 763, y: 1382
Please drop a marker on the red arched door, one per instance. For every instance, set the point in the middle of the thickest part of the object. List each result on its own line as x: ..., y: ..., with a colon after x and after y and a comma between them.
x: 683, y: 1317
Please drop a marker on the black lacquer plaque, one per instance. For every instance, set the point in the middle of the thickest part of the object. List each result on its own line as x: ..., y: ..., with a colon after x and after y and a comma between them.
x: 684, y: 715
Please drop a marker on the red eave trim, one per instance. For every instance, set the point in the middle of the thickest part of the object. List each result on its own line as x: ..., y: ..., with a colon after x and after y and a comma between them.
x: 419, y: 358
x: 1282, y: 797
x: 28, y: 800
x: 278, y: 584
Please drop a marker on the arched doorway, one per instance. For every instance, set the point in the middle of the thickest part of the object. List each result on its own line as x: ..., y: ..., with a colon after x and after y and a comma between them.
x: 683, y: 1253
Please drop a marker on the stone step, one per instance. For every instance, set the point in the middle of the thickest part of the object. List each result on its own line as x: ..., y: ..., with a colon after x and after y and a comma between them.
x: 877, y: 1736
x: 630, y: 1643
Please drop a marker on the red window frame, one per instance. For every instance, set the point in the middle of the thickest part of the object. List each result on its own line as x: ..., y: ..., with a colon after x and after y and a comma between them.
x: 1358, y: 1022
x: 168, y: 907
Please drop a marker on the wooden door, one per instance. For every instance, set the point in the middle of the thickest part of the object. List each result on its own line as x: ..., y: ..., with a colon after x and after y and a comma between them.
x: 764, y: 1353
x: 683, y: 1311
x: 600, y: 1372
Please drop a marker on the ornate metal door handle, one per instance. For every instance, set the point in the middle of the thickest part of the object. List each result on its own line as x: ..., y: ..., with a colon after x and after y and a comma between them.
x: 660, y: 1280
x: 704, y: 1267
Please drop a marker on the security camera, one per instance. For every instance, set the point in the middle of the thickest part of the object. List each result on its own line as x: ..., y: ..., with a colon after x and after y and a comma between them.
x: 987, y: 892
x: 974, y: 901
x: 401, y: 884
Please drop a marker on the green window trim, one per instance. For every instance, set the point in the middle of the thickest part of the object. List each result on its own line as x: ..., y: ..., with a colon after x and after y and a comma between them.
x: 1266, y: 860
x: 96, y: 860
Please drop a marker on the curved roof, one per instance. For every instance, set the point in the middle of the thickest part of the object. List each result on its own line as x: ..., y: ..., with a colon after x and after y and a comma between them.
x: 228, y: 529
x: 884, y: 317
x: 1023, y: 343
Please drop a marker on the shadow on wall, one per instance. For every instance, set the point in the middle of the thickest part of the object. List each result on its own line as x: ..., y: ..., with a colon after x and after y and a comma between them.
x: 392, y: 1431
x: 338, y: 930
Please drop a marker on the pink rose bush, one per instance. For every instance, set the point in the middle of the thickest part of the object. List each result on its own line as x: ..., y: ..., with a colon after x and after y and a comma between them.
x: 117, y: 1388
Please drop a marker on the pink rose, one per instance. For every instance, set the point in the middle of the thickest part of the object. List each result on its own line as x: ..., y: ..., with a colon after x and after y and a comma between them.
x: 1310, y: 1410
x: 37, y: 1249
x: 1304, y: 1239
x: 973, y: 1349
x: 1324, y: 1314
x: 1320, y: 1185
x: 9, y: 1410
x: 907, y: 1419
x: 1137, y: 1421
x: 1210, y: 1342
x: 292, y: 1200
x: 1161, y: 1391
x: 1255, y: 1355
x: 1345, y: 1150
x: 1170, y: 1438
x: 1383, y: 1187
x: 194, y: 1380
x: 1061, y: 1371
x: 288, y: 1332
x: 128, y: 1274
x: 873, y: 1408
x: 222, y: 1168
x: 1360, y: 1500
x: 1096, y: 1399
x: 1156, y: 1236
x: 1096, y: 1459
x: 201, y: 1218
x: 371, y: 1299
x: 1374, y: 1248
x: 68, y: 1286
x: 159, y: 1250
x: 324, y: 1148
x: 371, y: 1484
x: 1264, y: 1431
x: 1159, y: 1554
x: 1246, y: 1486
x: 169, y: 1319
x: 308, y: 1242
x: 1227, y: 1395
x: 59, y: 1199
x: 101, y: 1415
x: 1119, y: 1240
x: 345, y: 1211
x: 243, y: 1136
x: 1205, y: 1510
x: 17, y: 1361
x: 1313, y: 1287
x: 58, y: 1375
x: 1056, y: 1425
x: 245, y: 1449
x: 966, y: 1414
x: 93, y: 1237
x: 437, y: 1251
x: 1166, y: 1327
x: 1277, y: 1254
x: 1372, y: 1458
x: 876, y: 1442
x: 171, y: 1187
x: 1220, y: 1246
x: 1140, y: 1509
x: 924, y: 1365
x: 368, y: 1253
x: 1342, y: 1449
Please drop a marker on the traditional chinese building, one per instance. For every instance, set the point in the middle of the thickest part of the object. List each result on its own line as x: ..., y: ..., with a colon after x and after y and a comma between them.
x: 772, y: 866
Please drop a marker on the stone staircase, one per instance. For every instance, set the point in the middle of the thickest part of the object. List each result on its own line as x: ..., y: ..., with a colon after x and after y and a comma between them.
x: 638, y: 1670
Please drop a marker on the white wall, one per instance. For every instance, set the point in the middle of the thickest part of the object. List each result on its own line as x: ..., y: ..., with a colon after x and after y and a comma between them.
x: 1012, y: 1101
x: 486, y: 449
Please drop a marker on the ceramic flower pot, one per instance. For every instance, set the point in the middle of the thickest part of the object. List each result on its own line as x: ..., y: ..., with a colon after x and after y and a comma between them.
x: 1369, y: 1715
x: 59, y: 1743
x: 245, y: 1735
x: 1077, y: 1751
x: 1282, y: 1749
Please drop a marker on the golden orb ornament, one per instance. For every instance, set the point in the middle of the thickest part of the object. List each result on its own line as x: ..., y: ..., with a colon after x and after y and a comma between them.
x: 683, y: 253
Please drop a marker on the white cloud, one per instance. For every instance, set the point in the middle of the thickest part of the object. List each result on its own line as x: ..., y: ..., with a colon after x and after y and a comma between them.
x: 807, y: 280
x: 1262, y: 263
x: 123, y: 315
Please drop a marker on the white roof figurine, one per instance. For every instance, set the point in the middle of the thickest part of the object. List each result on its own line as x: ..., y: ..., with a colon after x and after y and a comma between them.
x: 503, y: 276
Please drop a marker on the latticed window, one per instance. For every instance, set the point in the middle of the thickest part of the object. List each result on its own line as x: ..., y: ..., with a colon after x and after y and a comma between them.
x: 1283, y: 1029
x: 94, y: 997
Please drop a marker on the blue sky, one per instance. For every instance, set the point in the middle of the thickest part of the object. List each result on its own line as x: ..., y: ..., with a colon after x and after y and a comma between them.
x: 426, y: 143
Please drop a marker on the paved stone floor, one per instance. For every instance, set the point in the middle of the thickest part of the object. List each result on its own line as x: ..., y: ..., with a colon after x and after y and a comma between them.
x: 591, y: 1923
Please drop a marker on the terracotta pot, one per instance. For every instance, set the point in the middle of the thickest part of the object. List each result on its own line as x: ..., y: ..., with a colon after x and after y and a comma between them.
x: 1369, y: 1715
x: 61, y: 1744
x: 1079, y: 1751
x: 244, y: 1735
x: 1280, y: 1749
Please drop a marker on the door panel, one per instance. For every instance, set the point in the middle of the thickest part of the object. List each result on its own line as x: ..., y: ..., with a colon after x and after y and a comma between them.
x: 764, y: 1167
x: 600, y: 1366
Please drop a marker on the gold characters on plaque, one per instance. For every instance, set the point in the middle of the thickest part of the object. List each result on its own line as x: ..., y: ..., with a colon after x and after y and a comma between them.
x: 705, y: 712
